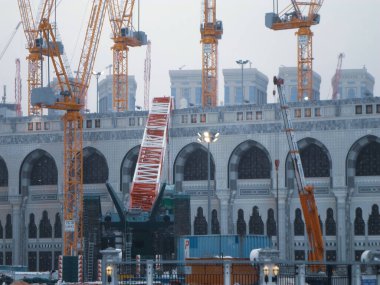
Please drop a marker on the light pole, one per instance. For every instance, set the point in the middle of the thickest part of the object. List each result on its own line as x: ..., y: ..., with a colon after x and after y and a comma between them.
x: 242, y: 63
x: 208, y: 137
x: 97, y: 75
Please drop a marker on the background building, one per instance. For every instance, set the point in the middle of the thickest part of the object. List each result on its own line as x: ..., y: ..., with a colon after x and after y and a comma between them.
x: 254, y: 85
x: 289, y: 74
x: 355, y: 83
x: 105, y: 94
x: 186, y: 88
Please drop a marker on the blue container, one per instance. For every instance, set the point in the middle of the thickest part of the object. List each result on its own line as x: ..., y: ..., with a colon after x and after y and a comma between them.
x: 235, y: 246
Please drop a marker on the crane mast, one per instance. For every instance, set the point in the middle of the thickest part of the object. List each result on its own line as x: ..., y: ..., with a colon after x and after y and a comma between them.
x: 147, y: 65
x: 211, y: 31
x: 292, y: 17
x: 34, y: 46
x: 336, y: 78
x: 305, y: 192
x: 18, y: 89
x: 72, y: 100
x: 124, y: 36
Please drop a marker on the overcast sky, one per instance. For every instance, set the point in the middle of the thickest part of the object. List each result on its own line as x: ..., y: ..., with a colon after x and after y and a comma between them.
x: 348, y: 26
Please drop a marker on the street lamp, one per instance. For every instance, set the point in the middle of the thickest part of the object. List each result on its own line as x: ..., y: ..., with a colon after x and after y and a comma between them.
x: 242, y: 63
x: 97, y: 75
x: 208, y: 137
x: 266, y: 273
x: 109, y: 273
x: 275, y: 270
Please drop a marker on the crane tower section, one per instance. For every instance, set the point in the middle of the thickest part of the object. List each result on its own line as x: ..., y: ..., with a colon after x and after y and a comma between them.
x: 147, y: 65
x: 336, y: 78
x: 211, y: 32
x: 305, y: 192
x: 124, y: 36
x: 147, y: 177
x: 18, y: 89
x: 299, y: 15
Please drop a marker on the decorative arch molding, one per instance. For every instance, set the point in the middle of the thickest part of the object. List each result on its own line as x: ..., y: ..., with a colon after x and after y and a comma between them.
x: 302, y: 144
x: 233, y: 163
x: 3, y: 173
x: 95, y: 167
x: 352, y: 157
x: 127, y: 168
x: 27, y: 166
x: 180, y: 161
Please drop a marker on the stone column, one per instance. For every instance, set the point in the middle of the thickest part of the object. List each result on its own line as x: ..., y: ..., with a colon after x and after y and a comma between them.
x: 223, y: 196
x: 16, y: 230
x: 110, y: 257
x: 341, y: 234
x: 282, y: 227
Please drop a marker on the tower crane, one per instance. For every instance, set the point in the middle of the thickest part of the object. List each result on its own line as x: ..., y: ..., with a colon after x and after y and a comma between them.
x: 34, y: 58
x: 10, y: 40
x: 305, y: 192
x: 18, y: 89
x: 147, y: 65
x: 299, y: 15
x: 211, y: 31
x: 124, y: 36
x: 72, y: 100
x: 336, y: 79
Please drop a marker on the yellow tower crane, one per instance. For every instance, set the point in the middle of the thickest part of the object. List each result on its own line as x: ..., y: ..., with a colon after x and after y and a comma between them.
x: 124, y: 36
x: 71, y: 99
x: 34, y: 45
x: 211, y: 32
x: 299, y: 15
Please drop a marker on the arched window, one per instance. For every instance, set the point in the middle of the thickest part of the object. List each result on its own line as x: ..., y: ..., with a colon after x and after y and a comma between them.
x: 315, y: 162
x: 3, y: 174
x: 8, y: 227
x: 57, y: 226
x: 271, y: 223
x: 196, y: 166
x: 200, y: 224
x: 374, y: 221
x: 241, y: 226
x: 368, y: 161
x: 254, y: 164
x: 1, y: 232
x: 256, y: 225
x: 95, y: 169
x: 330, y: 223
x: 359, y: 226
x: 44, y: 171
x: 32, y: 228
x: 215, y: 227
x: 299, y: 225
x: 45, y: 226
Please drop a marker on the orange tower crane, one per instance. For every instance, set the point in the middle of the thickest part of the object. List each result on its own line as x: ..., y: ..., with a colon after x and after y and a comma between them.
x: 72, y: 100
x: 299, y: 15
x: 336, y: 78
x: 147, y: 65
x: 124, y: 36
x: 211, y: 32
x: 34, y: 45
x: 18, y: 89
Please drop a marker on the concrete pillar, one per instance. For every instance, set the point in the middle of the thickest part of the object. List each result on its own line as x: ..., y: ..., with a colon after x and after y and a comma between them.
x: 223, y: 196
x: 227, y: 272
x: 16, y: 230
x: 282, y: 227
x: 149, y: 272
x: 356, y: 278
x: 341, y: 231
x: 301, y: 276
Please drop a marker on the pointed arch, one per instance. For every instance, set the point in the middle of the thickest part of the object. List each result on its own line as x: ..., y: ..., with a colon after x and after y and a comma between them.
x: 127, y: 169
x: 241, y: 159
x: 38, y: 168
x: 3, y: 173
x: 185, y: 163
x: 95, y: 167
x: 316, y: 161
x: 365, y: 144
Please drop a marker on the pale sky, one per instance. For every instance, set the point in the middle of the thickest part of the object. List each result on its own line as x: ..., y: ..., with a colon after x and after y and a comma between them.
x: 348, y: 26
